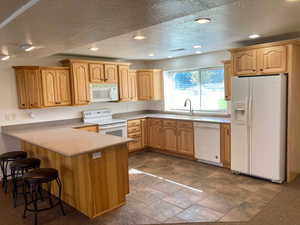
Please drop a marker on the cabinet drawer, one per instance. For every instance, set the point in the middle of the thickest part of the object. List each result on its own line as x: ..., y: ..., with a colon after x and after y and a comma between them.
x: 133, y: 123
x: 133, y: 129
x: 134, y: 135
x: 169, y: 123
x: 184, y: 124
x: 155, y: 122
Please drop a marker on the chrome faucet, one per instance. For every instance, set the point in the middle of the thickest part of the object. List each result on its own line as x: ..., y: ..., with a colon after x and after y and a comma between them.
x: 185, y: 104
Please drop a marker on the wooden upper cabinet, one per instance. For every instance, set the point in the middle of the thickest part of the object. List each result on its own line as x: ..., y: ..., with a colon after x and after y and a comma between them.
x: 244, y: 63
x: 110, y: 73
x: 150, y: 85
x: 49, y: 87
x: 132, y: 85
x: 96, y: 72
x: 272, y: 60
x: 80, y: 83
x: 225, y: 145
x: 63, y: 87
x: 227, y: 79
x: 123, y: 71
x: 21, y: 89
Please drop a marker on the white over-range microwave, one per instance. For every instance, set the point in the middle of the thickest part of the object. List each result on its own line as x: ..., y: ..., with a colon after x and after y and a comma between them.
x: 104, y: 92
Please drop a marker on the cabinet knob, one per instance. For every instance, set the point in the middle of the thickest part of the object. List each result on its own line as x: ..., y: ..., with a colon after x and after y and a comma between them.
x: 253, y: 70
x: 261, y: 69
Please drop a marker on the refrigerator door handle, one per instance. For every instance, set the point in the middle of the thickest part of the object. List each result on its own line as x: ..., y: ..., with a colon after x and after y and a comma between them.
x: 250, y: 105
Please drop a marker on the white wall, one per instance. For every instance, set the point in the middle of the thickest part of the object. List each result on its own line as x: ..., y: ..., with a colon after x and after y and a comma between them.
x: 213, y: 59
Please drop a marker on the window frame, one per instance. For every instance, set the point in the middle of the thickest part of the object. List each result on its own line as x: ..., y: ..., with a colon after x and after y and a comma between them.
x: 201, y: 112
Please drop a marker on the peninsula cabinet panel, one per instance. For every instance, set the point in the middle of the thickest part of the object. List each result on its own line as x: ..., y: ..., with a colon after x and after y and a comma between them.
x: 227, y: 79
x: 272, y: 60
x: 185, y: 140
x: 244, y: 63
x: 96, y: 73
x: 124, y: 82
x: 80, y: 84
x: 110, y: 73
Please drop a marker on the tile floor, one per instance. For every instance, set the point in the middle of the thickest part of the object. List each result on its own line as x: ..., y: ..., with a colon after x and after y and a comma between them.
x: 166, y: 189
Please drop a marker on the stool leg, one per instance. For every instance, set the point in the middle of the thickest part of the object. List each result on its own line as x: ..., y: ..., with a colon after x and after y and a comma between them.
x: 25, y: 199
x: 35, y: 198
x: 49, y: 194
x: 4, y: 165
x: 14, y: 187
x: 59, y: 196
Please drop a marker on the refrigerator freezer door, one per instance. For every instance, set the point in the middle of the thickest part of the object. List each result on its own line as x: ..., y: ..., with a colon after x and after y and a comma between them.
x: 267, y: 117
x: 239, y: 125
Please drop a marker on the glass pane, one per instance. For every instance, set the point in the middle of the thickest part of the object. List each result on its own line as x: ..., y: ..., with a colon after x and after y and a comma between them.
x: 212, y: 90
x: 115, y: 132
x: 178, y: 87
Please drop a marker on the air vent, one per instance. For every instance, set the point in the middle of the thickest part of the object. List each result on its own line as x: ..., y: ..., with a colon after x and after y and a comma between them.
x: 177, y: 50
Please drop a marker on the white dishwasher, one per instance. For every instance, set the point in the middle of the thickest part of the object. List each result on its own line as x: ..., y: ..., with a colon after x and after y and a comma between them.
x: 207, y: 142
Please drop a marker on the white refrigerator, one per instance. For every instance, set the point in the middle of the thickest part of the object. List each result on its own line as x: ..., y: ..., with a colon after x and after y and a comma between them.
x: 258, y: 129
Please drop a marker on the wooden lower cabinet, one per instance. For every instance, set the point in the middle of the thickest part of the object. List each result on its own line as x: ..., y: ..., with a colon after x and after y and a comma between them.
x: 155, y: 136
x: 225, y: 145
x: 185, y: 141
x: 170, y: 138
x: 134, y: 130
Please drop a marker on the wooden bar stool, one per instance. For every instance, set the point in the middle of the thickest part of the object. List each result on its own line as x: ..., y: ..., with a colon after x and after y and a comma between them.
x: 33, y: 180
x: 18, y: 168
x: 5, y: 160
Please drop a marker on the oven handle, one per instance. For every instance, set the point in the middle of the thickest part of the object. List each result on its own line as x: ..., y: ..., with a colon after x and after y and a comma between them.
x: 110, y: 127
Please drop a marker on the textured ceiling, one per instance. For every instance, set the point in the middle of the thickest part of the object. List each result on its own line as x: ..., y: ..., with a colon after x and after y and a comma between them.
x: 231, y: 24
x: 59, y: 25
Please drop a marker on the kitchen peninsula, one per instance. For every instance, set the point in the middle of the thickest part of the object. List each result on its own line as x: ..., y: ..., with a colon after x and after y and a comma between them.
x: 93, y: 167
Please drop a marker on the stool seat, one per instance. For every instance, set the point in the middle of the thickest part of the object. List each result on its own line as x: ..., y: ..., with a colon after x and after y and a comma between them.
x: 13, y: 155
x: 41, y: 175
x: 28, y: 163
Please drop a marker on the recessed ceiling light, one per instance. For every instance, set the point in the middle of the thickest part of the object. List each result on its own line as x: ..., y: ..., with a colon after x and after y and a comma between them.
x: 197, y: 46
x: 170, y: 56
x: 254, y: 36
x: 151, y: 54
x: 139, y: 37
x: 94, y: 49
x: 5, y: 57
x: 203, y: 20
x: 198, y: 52
x: 27, y: 47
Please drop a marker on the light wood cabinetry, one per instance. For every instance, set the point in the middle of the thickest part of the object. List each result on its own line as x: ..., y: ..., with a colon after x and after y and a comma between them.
x: 170, y: 138
x: 185, y: 138
x: 260, y: 61
x: 39, y: 87
x: 110, y: 73
x: 225, y: 145
x: 56, y: 87
x: 272, y: 60
x: 134, y: 130
x: 244, y: 62
x: 145, y: 132
x: 124, y: 83
x: 132, y: 85
x: 155, y: 133
x: 150, y: 84
x: 96, y: 71
x: 227, y: 79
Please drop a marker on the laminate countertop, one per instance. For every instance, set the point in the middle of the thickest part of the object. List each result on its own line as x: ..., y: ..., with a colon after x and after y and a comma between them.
x: 65, y: 139
x: 208, y: 119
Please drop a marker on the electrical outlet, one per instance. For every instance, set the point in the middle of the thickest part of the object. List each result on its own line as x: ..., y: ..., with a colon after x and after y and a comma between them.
x: 97, y: 155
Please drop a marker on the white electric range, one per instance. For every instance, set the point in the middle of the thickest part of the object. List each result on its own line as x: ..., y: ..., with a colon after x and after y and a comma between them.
x: 107, y: 125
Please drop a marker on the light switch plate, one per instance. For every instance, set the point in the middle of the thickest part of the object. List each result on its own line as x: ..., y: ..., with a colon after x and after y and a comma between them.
x: 97, y: 155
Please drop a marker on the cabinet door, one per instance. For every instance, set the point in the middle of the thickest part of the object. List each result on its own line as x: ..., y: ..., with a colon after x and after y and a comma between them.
x: 185, y: 140
x: 225, y: 145
x: 62, y: 87
x: 110, y: 73
x: 145, y: 132
x: 144, y: 85
x: 80, y: 83
x: 272, y: 60
x: 170, y: 138
x: 49, y: 89
x: 96, y: 73
x: 155, y: 136
x: 132, y: 85
x: 227, y: 79
x: 123, y: 82
x: 33, y: 82
x: 21, y: 89
x: 244, y: 63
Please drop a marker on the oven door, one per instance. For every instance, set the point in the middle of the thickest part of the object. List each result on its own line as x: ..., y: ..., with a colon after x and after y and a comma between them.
x: 120, y: 131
